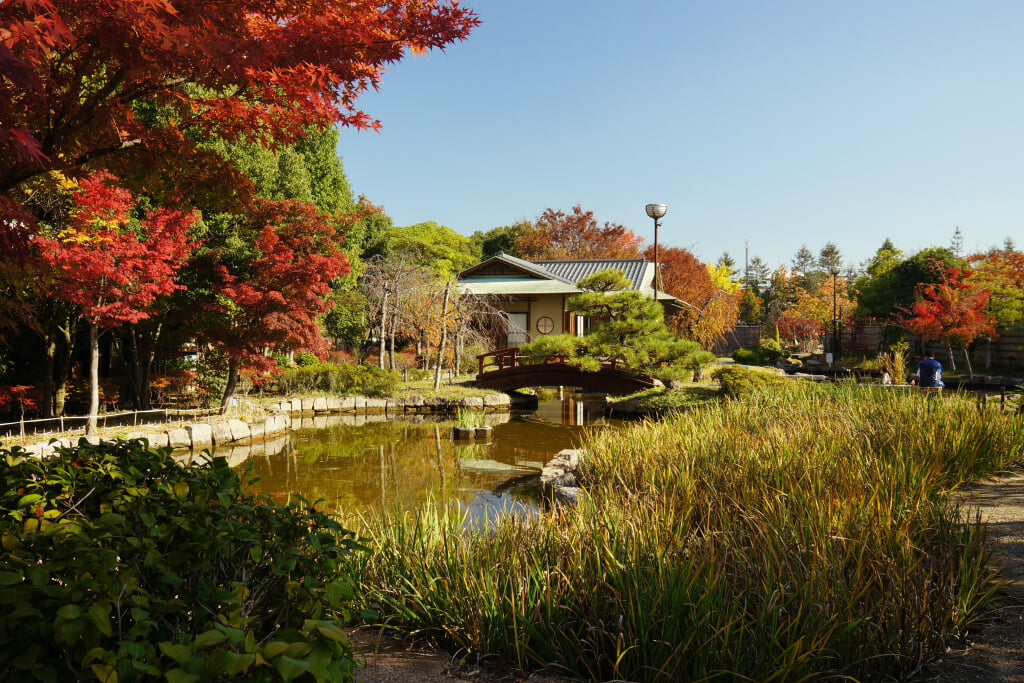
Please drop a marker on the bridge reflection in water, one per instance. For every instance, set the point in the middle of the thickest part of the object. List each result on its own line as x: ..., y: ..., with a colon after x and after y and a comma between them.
x: 359, y: 466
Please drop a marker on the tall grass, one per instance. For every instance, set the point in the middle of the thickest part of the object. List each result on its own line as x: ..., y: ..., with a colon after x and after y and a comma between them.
x: 802, y: 533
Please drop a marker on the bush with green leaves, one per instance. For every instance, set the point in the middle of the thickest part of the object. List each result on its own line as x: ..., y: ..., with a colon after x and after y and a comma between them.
x: 771, y: 350
x: 747, y: 357
x: 306, y: 359
x: 738, y: 382
x: 118, y: 564
x: 340, y: 378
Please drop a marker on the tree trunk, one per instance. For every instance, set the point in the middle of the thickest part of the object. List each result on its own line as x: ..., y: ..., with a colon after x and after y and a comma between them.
x: 457, y: 352
x: 391, y: 342
x: 229, y: 389
x: 138, y: 361
x: 967, y: 357
x: 94, y: 378
x: 952, y: 359
x: 63, y: 369
x: 383, y: 330
x: 444, y: 336
x: 49, y: 366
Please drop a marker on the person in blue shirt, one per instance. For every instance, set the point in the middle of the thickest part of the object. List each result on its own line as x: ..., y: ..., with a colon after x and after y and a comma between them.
x: 929, y: 371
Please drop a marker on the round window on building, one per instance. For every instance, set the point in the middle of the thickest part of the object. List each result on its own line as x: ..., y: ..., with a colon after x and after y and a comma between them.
x: 545, y: 325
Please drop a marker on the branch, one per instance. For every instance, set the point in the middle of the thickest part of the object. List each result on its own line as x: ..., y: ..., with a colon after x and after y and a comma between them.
x: 92, y: 154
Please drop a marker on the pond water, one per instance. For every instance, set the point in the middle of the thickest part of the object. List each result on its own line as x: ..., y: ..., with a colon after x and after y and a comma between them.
x: 357, y: 464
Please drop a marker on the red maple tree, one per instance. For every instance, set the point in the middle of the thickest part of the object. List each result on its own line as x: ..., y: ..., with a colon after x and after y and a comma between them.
x: 558, y: 235
x: 84, y: 79
x: 272, y: 302
x: 112, y: 266
x: 951, y: 311
x: 708, y: 311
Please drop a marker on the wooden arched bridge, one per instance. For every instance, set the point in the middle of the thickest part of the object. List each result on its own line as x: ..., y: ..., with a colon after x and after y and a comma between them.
x: 505, y: 370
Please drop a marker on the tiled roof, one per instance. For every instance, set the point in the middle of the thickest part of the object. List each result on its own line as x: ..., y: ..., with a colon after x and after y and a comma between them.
x: 634, y: 269
x: 552, y: 276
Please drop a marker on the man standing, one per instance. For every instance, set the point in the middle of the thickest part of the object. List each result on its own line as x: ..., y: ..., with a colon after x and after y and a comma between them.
x: 929, y: 371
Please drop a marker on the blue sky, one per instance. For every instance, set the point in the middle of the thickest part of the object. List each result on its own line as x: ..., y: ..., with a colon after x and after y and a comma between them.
x: 781, y: 122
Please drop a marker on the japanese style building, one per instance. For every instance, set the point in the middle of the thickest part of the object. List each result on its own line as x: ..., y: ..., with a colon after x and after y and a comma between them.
x: 534, y: 294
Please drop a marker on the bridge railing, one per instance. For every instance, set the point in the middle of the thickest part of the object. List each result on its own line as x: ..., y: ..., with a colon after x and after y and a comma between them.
x: 512, y: 358
x: 499, y: 360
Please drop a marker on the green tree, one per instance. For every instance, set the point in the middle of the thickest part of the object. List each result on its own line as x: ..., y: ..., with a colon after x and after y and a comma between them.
x: 757, y: 276
x: 829, y: 257
x: 804, y: 266
x: 750, y: 308
x: 891, y: 285
x: 730, y: 264
x: 627, y: 329
x: 957, y: 243
x: 438, y: 247
x: 496, y: 240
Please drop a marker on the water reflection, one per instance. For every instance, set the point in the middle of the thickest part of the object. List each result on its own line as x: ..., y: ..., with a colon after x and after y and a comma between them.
x: 362, y: 463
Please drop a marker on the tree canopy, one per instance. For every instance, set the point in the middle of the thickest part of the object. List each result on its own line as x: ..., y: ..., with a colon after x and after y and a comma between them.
x: 577, y: 235
x: 83, y: 80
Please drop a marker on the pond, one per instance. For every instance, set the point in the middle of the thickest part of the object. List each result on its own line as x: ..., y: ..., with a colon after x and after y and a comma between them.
x: 356, y: 464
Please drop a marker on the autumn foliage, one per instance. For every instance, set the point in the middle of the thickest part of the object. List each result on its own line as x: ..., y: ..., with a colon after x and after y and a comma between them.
x: 84, y: 79
x: 708, y: 310
x: 559, y: 235
x: 109, y: 265
x: 273, y: 299
x: 951, y: 311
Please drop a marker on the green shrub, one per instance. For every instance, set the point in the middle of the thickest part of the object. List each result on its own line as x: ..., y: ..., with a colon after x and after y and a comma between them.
x: 698, y: 362
x: 118, y: 564
x: 340, y: 378
x: 370, y: 380
x: 771, y: 350
x: 306, y: 359
x: 689, y: 368
x: 419, y: 374
x: 738, y: 382
x: 747, y: 356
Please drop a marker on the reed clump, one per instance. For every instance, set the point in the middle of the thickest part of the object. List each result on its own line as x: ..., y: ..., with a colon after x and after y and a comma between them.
x: 804, y: 532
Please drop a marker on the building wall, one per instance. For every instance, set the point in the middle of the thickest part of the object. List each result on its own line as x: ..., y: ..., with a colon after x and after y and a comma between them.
x: 545, y: 305
x: 551, y: 306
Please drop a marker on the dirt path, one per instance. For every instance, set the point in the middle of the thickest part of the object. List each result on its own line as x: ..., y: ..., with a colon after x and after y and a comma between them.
x: 389, y: 661
x: 995, y: 653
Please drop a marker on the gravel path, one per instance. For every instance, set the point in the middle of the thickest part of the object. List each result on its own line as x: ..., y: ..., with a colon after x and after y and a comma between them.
x: 996, y: 653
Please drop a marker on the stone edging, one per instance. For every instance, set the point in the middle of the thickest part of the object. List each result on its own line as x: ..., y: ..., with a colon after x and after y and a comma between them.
x: 223, y: 432
x: 558, y: 478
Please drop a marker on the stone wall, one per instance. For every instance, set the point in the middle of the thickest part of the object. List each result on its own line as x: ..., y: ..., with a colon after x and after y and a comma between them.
x: 286, y: 415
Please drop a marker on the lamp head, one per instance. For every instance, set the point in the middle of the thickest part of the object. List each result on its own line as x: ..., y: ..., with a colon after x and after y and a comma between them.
x: 656, y: 211
x: 835, y: 270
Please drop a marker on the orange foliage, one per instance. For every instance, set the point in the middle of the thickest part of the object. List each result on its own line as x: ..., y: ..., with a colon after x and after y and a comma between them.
x: 558, y: 235
x: 708, y: 311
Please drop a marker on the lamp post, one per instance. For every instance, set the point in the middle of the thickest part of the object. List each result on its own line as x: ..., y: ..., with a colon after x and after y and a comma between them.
x: 835, y: 316
x: 656, y: 211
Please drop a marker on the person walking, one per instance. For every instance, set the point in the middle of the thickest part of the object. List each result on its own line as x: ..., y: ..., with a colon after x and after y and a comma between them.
x: 929, y: 371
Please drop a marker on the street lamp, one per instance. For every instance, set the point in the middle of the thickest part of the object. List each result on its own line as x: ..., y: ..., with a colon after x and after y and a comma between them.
x: 656, y: 211
x: 834, y: 269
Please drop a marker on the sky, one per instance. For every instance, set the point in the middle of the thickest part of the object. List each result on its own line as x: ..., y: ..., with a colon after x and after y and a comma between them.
x: 768, y: 123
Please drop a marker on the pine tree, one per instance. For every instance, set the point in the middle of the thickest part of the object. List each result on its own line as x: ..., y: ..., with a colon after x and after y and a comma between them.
x: 957, y: 243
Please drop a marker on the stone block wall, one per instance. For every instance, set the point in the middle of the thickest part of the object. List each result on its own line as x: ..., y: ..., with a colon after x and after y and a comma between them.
x: 291, y: 414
